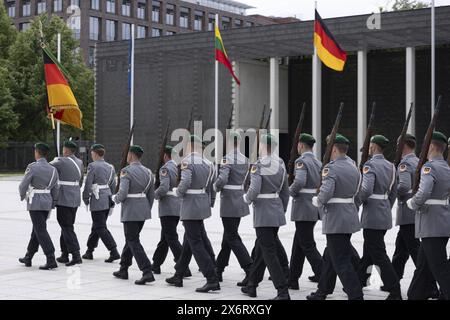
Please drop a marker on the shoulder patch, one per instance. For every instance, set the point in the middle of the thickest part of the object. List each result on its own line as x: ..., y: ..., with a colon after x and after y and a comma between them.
x: 403, y: 168
x: 254, y: 169
x: 426, y: 170
x: 164, y: 172
x: 299, y: 165
x: 366, y: 169
x: 325, y: 172
x: 123, y: 173
x: 184, y: 165
x: 224, y: 161
x: 28, y: 170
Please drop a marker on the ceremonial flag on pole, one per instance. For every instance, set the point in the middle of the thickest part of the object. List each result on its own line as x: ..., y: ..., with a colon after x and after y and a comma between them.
x: 61, y: 100
x: 221, y: 54
x: 328, y: 50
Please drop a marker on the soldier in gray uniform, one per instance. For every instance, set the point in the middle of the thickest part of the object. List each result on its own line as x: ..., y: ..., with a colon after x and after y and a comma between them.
x: 197, y: 198
x: 136, y: 194
x: 303, y: 213
x: 169, y: 212
x: 431, y: 204
x: 98, y: 189
x: 377, y: 196
x: 269, y: 194
x: 340, y: 181
x: 230, y: 183
x: 39, y: 187
x: 70, y: 170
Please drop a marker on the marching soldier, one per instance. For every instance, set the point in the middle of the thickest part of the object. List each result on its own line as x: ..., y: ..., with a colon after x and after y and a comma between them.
x: 305, y: 215
x: 136, y: 194
x: 230, y: 183
x: 70, y: 170
x: 431, y: 204
x: 99, y: 187
x: 340, y: 181
x: 377, y: 196
x: 269, y: 194
x: 169, y: 212
x: 197, y: 198
x: 40, y: 188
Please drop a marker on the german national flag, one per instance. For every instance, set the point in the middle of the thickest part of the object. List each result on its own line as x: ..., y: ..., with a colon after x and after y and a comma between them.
x: 221, y: 54
x: 327, y: 48
x: 61, y: 100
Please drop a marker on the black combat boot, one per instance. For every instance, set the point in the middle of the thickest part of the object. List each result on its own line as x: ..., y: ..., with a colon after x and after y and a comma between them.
x: 113, y: 256
x: 249, y: 291
x: 176, y: 281
x: 315, y: 278
x: 64, y: 258
x: 88, y: 255
x: 156, y: 269
x: 76, y: 259
x: 209, y: 286
x: 219, y: 273
x: 51, y: 263
x: 187, y: 274
x: 122, y: 273
x: 27, y: 259
x: 283, y: 294
x: 316, y: 296
x: 293, y: 285
x: 146, y: 278
x: 244, y: 281
x: 395, y: 294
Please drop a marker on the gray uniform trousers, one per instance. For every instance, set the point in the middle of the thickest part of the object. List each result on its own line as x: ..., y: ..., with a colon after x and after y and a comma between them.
x: 39, y: 235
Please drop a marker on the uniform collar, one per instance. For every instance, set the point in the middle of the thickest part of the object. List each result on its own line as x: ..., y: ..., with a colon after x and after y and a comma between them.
x: 308, y: 153
x: 437, y: 158
x: 409, y: 155
x: 344, y: 157
x: 100, y: 160
x: 378, y: 156
x: 41, y: 160
x: 136, y: 163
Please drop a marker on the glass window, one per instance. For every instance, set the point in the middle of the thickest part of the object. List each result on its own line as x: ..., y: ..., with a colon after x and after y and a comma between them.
x: 248, y: 24
x: 26, y: 9
x: 95, y: 4
x: 238, y: 23
x: 211, y: 22
x: 111, y: 6
x: 126, y: 31
x: 12, y: 9
x: 24, y: 26
x: 156, y: 11
x: 156, y: 32
x: 57, y: 5
x: 41, y: 6
x: 141, y: 10
x: 126, y: 8
x: 94, y: 28
x: 184, y: 17
x: 170, y: 33
x: 226, y: 23
x: 141, y: 32
x: 170, y: 14
x: 91, y: 56
x: 198, y: 21
x: 111, y: 30
x: 75, y: 3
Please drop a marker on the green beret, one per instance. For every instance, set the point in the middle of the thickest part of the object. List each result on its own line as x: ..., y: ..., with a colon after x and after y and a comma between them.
x: 69, y: 144
x: 97, y: 146
x: 341, y: 139
x: 269, y: 139
x: 195, y: 138
x: 307, y: 138
x: 137, y: 150
x: 168, y: 149
x: 439, y: 136
x: 380, y: 140
x: 42, y: 146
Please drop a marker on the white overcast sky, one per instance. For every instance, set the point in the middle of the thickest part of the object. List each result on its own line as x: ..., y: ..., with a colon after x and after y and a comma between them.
x: 304, y: 9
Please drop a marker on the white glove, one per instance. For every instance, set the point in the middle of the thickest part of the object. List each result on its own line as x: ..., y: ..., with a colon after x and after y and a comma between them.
x: 215, y: 188
x: 245, y: 199
x: 87, y: 207
x: 175, y: 192
x: 315, y: 202
x: 114, y: 198
x: 411, y: 204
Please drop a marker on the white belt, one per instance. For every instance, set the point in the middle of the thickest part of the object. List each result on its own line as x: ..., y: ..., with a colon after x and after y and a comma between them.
x: 96, y: 189
x: 268, y: 196
x: 69, y: 183
x: 233, y: 187
x: 308, y: 191
x: 31, y: 192
x: 171, y: 193
x: 379, y: 197
x: 195, y: 191
x: 340, y: 200
x: 435, y: 202
x: 137, y: 195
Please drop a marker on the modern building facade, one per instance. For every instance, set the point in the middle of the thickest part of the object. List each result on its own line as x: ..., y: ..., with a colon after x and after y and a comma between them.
x: 111, y: 20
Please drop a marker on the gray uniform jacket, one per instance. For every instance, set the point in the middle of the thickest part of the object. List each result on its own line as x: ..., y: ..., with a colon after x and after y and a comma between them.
x: 268, y: 192
x: 196, y: 187
x: 230, y: 183
x: 136, y: 193
x: 377, y: 193
x: 433, y: 220
x: 99, y: 186
x: 169, y: 204
x: 39, y: 186
x: 405, y: 179
x: 340, y: 180
x: 70, y: 170
x: 304, y: 188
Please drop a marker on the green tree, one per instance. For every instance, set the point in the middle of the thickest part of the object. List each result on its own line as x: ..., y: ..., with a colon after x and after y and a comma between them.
x: 28, y: 85
x: 408, y: 5
x: 7, y: 33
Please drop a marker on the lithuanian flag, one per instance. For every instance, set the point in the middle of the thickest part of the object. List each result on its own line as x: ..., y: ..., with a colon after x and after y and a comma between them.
x: 221, y: 55
x: 61, y: 101
x: 327, y: 48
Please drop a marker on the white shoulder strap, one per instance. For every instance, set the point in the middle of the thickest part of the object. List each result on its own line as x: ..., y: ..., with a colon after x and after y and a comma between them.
x: 150, y: 176
x: 393, y: 178
x: 51, y: 179
x: 76, y: 166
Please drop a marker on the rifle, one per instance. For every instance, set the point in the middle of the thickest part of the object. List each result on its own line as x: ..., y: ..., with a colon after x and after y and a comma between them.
x: 268, y: 120
x: 448, y: 155
x: 229, y: 126
x: 188, y: 128
x: 426, y: 145
x: 294, y: 152
x: 331, y: 139
x: 123, y: 162
x: 401, y: 139
x: 369, y: 133
x: 161, y: 155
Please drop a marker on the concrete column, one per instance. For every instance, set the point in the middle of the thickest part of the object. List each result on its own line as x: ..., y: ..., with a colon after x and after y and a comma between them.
x: 235, y: 96
x: 317, y: 103
x: 275, y: 92
x: 411, y: 85
x: 362, y: 99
